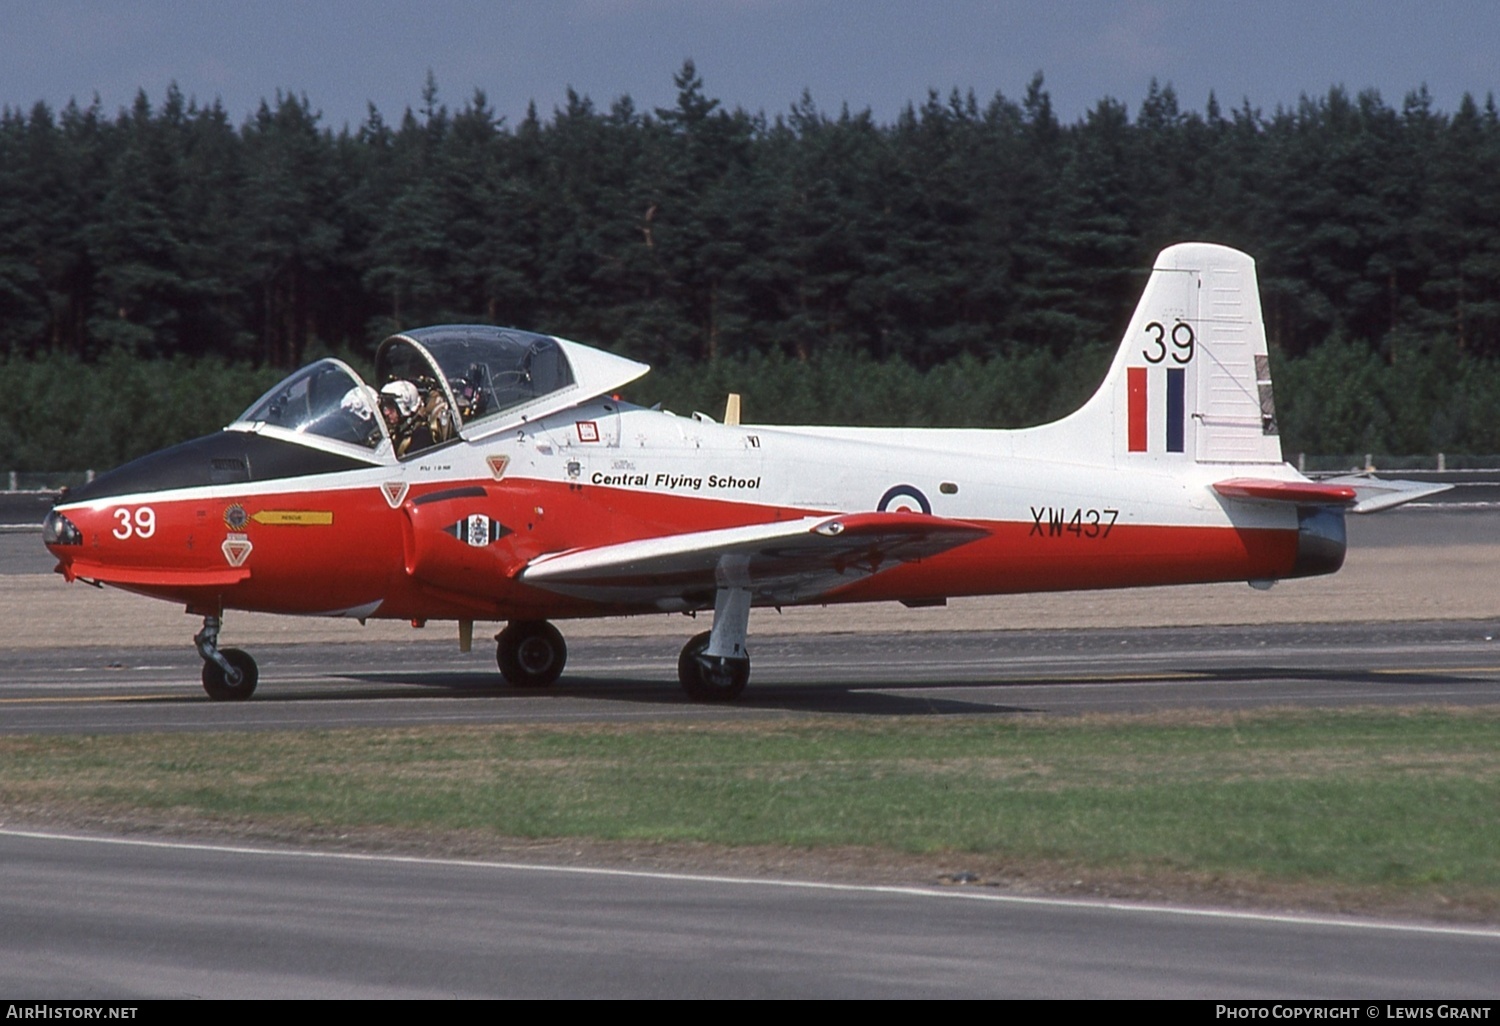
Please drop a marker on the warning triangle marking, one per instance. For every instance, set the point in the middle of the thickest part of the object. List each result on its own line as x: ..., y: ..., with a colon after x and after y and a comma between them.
x: 394, y: 491
x: 237, y: 550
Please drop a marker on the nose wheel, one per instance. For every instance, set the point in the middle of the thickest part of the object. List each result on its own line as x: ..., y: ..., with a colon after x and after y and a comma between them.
x: 530, y: 653
x: 229, y: 674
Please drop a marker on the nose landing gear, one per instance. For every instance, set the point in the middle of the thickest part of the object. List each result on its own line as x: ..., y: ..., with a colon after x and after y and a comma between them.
x: 229, y: 674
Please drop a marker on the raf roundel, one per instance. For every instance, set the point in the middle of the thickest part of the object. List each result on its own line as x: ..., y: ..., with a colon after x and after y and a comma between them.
x: 904, y: 498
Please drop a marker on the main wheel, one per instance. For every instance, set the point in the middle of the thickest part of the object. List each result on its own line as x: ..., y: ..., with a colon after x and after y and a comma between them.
x: 530, y: 653
x: 711, y: 678
x: 219, y: 685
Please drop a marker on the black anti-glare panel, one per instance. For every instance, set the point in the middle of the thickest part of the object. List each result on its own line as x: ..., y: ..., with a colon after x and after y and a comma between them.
x: 229, y: 457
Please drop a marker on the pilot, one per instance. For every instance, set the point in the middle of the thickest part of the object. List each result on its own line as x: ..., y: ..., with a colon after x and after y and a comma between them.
x: 360, y: 402
x: 401, y: 405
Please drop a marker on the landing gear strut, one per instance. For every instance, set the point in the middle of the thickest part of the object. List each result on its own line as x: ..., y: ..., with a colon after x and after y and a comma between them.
x: 229, y: 674
x: 715, y: 665
x: 530, y: 653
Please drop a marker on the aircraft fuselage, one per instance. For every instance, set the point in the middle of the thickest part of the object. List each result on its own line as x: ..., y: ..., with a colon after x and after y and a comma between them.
x: 413, y: 540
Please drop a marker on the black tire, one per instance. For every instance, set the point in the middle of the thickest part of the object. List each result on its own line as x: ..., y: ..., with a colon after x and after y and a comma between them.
x: 531, y: 653
x: 711, y: 680
x: 216, y: 682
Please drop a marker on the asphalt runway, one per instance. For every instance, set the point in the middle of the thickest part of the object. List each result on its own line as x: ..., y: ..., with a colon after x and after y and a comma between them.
x: 1003, y: 673
x: 92, y: 919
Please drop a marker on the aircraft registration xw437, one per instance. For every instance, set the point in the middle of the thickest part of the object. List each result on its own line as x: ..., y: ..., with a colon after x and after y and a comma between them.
x: 490, y: 475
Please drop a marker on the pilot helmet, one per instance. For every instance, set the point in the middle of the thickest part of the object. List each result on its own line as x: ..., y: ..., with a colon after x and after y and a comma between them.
x: 360, y: 401
x: 404, y: 395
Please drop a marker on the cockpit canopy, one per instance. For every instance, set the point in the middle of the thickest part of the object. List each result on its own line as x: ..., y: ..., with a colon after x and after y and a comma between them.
x: 431, y: 385
x: 485, y: 371
x: 326, y: 399
x: 464, y: 379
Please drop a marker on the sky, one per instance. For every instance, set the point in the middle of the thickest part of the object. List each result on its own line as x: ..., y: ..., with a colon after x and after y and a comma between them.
x: 345, y: 55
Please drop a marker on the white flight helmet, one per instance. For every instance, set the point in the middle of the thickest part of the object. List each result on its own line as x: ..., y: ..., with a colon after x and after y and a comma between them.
x: 405, y: 395
x: 360, y: 401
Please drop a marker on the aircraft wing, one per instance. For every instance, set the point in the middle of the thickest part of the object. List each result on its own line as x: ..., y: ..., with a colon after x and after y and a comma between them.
x: 1357, y: 493
x: 785, y: 562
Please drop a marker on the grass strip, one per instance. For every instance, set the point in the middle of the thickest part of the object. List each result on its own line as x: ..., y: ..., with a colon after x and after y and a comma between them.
x: 1365, y: 798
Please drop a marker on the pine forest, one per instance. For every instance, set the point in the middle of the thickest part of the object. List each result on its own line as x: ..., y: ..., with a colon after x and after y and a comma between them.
x: 972, y: 263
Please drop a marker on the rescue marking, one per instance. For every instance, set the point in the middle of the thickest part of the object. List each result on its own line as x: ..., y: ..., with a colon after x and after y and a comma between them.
x: 304, y: 517
x: 498, y: 465
x: 588, y: 430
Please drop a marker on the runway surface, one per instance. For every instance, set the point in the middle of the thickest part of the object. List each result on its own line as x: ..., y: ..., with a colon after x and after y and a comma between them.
x: 122, y: 919
x: 1413, y: 620
x: 1002, y: 673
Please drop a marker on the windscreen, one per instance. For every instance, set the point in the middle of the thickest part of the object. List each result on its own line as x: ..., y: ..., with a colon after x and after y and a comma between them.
x: 326, y: 399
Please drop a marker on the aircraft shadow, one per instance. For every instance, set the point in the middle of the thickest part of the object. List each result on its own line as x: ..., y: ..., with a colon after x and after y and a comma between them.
x: 857, y: 697
x: 933, y: 697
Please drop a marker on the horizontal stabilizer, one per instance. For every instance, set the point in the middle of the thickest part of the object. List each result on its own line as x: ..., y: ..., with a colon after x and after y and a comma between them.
x: 1303, y: 493
x: 779, y: 562
x: 1374, y: 494
x: 1356, y: 493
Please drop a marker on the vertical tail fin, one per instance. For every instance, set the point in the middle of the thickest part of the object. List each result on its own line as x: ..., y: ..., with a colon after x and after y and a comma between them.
x: 1191, y: 380
x: 1197, y: 375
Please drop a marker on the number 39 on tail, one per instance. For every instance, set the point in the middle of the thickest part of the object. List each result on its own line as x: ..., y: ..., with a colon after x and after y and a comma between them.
x: 489, y: 475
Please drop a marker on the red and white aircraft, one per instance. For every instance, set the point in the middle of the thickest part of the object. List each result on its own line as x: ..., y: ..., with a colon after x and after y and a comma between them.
x: 494, y: 477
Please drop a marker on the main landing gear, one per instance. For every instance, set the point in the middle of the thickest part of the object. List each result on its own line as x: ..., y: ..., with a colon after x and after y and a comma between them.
x: 709, y: 678
x: 530, y: 653
x: 229, y: 674
x: 714, y: 666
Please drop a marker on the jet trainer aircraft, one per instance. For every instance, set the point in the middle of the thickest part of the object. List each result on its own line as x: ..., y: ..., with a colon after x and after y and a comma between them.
x: 494, y: 477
